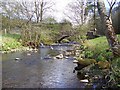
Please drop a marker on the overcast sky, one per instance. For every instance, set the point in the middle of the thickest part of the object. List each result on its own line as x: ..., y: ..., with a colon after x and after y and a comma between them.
x: 60, y: 7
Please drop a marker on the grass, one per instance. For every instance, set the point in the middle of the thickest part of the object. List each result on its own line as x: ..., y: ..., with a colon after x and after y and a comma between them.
x: 10, y: 41
x: 15, y: 36
x: 98, y: 44
x: 99, y: 47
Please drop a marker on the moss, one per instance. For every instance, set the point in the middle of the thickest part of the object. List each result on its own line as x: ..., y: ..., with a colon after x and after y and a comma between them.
x: 65, y: 41
x: 104, y: 64
x: 86, y: 61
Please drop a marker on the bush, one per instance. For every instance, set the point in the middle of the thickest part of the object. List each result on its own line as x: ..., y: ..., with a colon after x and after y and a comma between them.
x: 46, y: 37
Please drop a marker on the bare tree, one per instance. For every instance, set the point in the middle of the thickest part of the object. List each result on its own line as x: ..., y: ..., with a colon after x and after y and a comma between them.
x: 35, y: 9
x: 9, y: 11
x: 41, y: 7
x: 17, y: 11
x: 108, y: 27
x: 6, y: 8
x: 77, y: 11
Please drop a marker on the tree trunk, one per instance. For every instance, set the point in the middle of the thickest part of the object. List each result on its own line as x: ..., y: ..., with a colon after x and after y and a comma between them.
x: 41, y: 11
x: 108, y: 27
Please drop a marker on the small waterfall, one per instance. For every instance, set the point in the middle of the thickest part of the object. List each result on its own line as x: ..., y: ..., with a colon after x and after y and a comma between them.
x: 42, y: 45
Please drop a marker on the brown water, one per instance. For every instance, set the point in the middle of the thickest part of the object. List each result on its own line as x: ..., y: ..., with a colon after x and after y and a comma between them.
x: 39, y: 70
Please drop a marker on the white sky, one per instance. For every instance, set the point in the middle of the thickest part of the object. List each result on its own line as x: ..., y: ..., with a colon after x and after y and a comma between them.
x: 60, y: 7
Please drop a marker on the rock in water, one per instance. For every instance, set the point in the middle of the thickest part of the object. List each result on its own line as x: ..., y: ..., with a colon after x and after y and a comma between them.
x: 42, y: 45
x: 51, y: 47
x: 17, y: 59
x: 84, y: 81
x: 75, y: 61
x: 86, y: 75
x: 67, y: 57
x: 60, y: 56
x: 28, y: 54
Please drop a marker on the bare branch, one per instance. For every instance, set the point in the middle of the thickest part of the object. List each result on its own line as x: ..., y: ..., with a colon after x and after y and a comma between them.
x: 111, y: 6
x: 78, y: 8
x: 109, y: 3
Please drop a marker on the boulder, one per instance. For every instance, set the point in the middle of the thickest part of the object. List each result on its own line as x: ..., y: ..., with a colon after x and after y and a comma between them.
x: 60, y: 56
x: 86, y: 61
x: 84, y: 81
x: 82, y: 63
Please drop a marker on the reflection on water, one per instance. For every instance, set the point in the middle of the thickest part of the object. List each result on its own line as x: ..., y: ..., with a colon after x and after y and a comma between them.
x: 35, y: 70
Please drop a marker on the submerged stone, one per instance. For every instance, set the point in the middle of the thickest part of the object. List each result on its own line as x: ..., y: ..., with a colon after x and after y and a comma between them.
x: 17, y: 59
x: 28, y: 54
x: 84, y: 81
x: 60, y: 56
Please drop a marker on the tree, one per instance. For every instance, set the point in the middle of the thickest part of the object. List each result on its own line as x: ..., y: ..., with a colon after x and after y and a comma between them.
x: 116, y: 18
x: 41, y: 7
x: 26, y: 10
x: 108, y: 27
x: 77, y: 11
x: 18, y: 13
x: 33, y: 10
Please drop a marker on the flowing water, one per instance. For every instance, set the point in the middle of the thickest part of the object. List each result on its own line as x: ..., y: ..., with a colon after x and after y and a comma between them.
x: 39, y: 69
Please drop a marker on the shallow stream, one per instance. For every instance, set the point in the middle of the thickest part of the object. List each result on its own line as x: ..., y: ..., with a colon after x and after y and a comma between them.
x: 39, y: 69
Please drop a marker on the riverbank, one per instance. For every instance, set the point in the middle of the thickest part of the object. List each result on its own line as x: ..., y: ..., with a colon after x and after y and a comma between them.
x: 10, y: 43
x: 17, y: 49
x: 99, y: 50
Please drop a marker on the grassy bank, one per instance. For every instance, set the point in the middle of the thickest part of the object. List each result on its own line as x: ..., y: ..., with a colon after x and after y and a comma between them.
x: 98, y: 48
x: 9, y: 42
x: 100, y: 43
